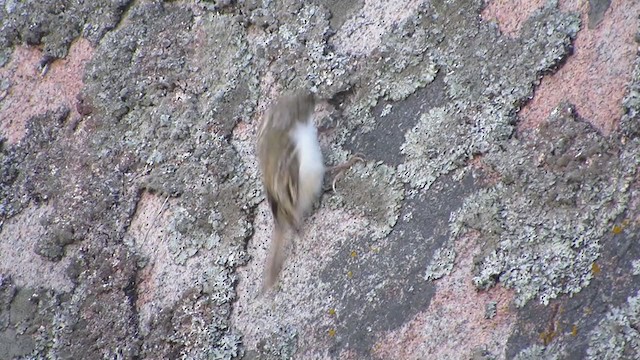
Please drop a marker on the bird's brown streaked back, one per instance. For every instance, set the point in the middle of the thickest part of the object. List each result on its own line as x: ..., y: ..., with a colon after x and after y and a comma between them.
x: 285, y: 131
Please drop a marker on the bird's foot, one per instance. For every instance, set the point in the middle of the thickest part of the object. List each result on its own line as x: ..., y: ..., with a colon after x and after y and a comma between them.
x: 340, y: 169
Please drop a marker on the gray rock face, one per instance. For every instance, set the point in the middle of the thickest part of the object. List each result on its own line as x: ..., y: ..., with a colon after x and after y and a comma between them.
x: 132, y: 220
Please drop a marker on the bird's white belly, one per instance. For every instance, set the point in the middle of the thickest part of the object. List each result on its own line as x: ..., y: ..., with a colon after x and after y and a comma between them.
x: 311, y: 170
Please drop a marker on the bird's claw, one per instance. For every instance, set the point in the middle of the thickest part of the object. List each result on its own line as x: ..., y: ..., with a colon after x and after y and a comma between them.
x: 341, y: 168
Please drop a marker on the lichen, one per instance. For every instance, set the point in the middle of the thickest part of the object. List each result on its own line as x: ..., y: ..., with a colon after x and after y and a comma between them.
x: 185, y: 239
x: 170, y: 84
x: 535, y: 352
x: 54, y: 25
x: 200, y: 332
x: 300, y: 53
x: 635, y: 267
x: 404, y: 64
x: 617, y: 335
x: 485, y: 89
x: 434, y: 147
x: 441, y: 263
x: 490, y: 310
x: 281, y: 344
x: 629, y: 123
x: 542, y: 224
x: 401, y: 65
x: 373, y: 192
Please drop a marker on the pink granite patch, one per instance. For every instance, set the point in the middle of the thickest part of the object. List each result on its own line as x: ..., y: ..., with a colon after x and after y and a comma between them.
x: 362, y: 33
x: 510, y: 14
x: 161, y: 282
x: 454, y: 326
x: 300, y: 299
x: 595, y: 77
x: 34, y: 91
x: 18, y: 240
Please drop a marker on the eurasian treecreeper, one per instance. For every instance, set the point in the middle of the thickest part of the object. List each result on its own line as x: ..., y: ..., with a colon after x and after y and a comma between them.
x: 292, y: 171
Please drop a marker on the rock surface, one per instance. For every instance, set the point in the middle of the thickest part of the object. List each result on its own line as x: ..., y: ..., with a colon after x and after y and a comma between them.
x: 497, y: 215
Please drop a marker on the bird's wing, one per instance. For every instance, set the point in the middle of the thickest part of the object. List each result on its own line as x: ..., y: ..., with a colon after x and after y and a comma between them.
x: 282, y: 193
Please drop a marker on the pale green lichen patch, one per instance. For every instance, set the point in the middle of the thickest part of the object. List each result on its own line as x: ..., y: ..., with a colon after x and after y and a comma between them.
x: 373, y: 192
x: 441, y: 263
x: 428, y: 155
x: 184, y: 242
x: 629, y: 124
x: 281, y: 344
x: 404, y: 64
x: 399, y: 67
x: 54, y: 25
x: 536, y: 351
x: 635, y: 267
x: 617, y: 335
x: 542, y: 224
x: 299, y: 52
x: 200, y: 330
x: 488, y: 77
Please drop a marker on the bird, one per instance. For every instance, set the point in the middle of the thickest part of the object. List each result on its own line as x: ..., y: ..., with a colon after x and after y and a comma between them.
x: 293, y: 170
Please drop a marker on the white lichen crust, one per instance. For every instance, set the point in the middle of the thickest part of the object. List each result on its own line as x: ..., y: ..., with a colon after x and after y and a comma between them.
x: 617, y: 336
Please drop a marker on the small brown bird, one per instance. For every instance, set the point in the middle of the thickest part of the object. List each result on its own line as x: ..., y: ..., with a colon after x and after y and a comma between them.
x: 292, y: 171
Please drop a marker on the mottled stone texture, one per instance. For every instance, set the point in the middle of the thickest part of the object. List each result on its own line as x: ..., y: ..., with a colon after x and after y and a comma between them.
x: 496, y: 216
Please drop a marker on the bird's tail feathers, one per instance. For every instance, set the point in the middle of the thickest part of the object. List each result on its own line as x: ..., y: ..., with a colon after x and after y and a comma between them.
x: 275, y: 259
